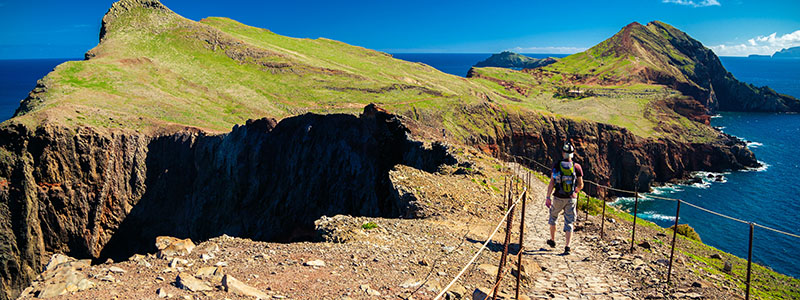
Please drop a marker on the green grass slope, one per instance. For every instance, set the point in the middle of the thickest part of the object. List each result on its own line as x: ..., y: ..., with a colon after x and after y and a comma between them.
x: 154, y: 69
x: 660, y: 53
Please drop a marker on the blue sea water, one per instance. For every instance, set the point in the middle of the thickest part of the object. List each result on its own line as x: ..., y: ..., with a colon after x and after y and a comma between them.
x: 18, y: 77
x: 768, y: 196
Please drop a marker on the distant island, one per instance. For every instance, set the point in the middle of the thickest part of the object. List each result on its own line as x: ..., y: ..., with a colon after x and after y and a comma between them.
x: 508, y: 59
x: 793, y: 52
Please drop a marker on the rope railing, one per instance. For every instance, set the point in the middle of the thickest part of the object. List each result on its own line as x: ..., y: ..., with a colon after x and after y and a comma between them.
x: 752, y: 225
x: 509, y: 190
x: 669, y: 199
x: 483, y: 247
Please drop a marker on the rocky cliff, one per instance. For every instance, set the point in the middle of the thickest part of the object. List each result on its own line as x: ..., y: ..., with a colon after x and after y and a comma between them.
x: 610, y: 155
x: 95, y: 193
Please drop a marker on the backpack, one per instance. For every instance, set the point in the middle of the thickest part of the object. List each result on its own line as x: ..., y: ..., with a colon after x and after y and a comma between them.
x: 564, y: 177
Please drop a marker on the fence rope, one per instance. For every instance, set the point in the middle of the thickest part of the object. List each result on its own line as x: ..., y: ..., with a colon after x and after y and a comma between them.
x: 776, y: 230
x: 669, y: 199
x: 713, y: 212
x: 499, y: 224
x: 597, y: 185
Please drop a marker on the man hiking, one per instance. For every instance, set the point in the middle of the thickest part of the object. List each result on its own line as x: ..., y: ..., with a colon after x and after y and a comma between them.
x: 566, y: 181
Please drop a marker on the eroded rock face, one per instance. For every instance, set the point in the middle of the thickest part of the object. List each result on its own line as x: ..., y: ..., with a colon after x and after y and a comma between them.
x: 609, y: 155
x: 62, y: 190
x: 93, y: 194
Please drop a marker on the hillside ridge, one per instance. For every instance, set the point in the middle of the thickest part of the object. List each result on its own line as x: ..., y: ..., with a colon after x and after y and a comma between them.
x: 659, y: 53
x: 198, y: 113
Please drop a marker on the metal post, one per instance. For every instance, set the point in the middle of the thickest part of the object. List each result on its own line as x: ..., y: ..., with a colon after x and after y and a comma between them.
x: 674, y: 235
x: 585, y: 209
x: 603, y: 219
x: 635, y: 211
x: 509, y: 223
x: 514, y: 180
x: 749, y: 262
x: 521, y: 239
x: 505, y: 191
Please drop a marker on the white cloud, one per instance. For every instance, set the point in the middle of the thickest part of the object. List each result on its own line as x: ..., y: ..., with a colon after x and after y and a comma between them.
x: 700, y: 3
x: 763, y: 45
x: 548, y: 50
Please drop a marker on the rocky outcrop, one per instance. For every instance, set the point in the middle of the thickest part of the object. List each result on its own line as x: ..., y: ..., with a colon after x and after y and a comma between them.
x: 63, y: 190
x: 703, y: 76
x: 610, y: 155
x: 508, y: 59
x: 102, y: 193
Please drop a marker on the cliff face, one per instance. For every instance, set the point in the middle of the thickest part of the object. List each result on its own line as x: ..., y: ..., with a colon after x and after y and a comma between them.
x: 63, y: 190
x: 707, y: 80
x: 610, y: 155
x: 93, y: 194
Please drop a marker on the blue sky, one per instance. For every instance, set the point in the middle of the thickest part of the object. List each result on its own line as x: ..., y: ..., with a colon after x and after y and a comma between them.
x: 37, y: 29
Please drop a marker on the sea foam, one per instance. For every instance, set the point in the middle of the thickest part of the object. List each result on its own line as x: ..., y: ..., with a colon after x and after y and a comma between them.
x: 652, y: 215
x: 764, y: 166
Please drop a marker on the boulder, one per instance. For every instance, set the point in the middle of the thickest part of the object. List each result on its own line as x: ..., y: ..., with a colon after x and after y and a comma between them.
x: 63, y: 275
x: 728, y: 267
x: 315, y: 263
x: 57, y: 259
x: 170, y: 246
x: 234, y: 286
x: 188, y: 282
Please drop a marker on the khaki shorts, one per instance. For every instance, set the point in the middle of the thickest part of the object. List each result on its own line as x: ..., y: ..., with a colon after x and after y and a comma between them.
x: 568, y: 206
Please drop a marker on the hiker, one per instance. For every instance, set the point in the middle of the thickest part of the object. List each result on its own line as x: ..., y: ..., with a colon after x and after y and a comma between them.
x: 566, y: 181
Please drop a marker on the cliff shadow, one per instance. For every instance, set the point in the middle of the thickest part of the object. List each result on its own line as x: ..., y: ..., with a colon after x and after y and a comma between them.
x: 270, y: 181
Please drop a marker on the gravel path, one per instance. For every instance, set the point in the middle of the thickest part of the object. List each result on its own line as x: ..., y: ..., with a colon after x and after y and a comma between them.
x: 573, y: 276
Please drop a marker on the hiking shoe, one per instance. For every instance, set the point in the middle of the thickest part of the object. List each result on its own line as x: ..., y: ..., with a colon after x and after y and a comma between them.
x: 551, y: 243
x: 566, y: 250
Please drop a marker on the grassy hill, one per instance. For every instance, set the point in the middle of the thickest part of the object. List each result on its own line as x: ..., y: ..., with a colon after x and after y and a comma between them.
x: 661, y: 54
x: 154, y: 69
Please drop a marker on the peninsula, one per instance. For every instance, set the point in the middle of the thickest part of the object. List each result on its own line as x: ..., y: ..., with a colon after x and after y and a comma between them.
x: 197, y: 129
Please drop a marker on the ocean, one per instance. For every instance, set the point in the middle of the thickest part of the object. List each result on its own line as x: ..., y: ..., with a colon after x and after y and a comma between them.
x: 18, y: 77
x: 767, y: 196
